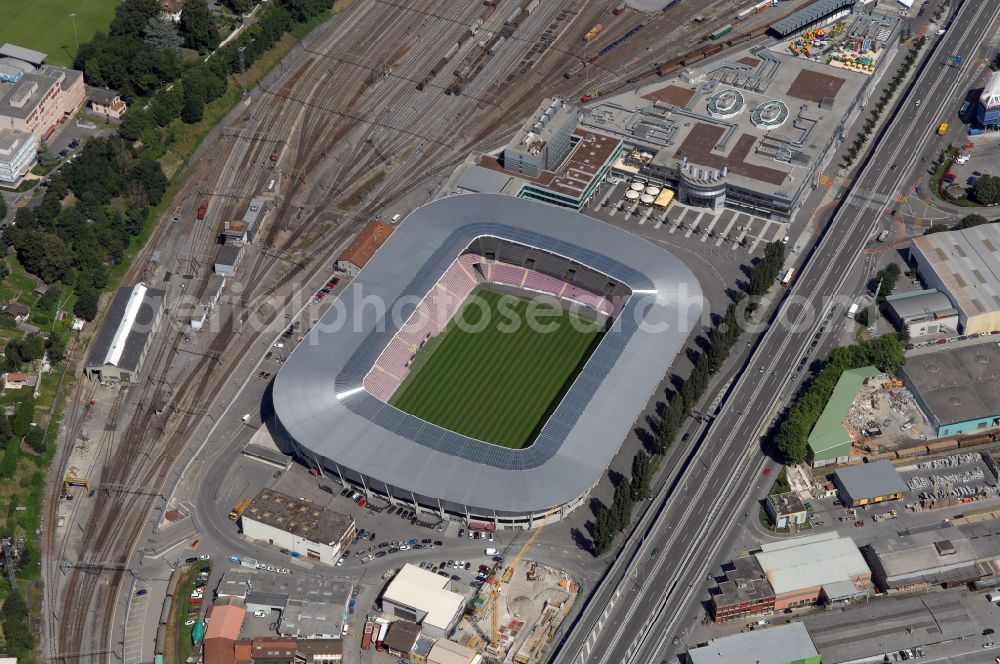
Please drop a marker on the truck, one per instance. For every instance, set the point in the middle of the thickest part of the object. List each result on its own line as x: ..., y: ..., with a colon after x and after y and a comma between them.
x: 619, y: 9
x: 202, y: 209
x: 993, y: 597
x: 942, y: 129
x: 383, y: 629
x: 787, y: 279
x: 853, y: 310
x: 238, y: 510
x: 593, y: 32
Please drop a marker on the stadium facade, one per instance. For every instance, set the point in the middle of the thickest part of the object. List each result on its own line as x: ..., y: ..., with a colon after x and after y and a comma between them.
x: 325, y: 402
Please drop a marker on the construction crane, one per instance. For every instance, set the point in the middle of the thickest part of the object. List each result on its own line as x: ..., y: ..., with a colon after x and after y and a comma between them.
x: 508, y: 573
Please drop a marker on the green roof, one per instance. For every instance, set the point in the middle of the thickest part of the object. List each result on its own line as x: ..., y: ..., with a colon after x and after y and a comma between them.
x: 829, y: 439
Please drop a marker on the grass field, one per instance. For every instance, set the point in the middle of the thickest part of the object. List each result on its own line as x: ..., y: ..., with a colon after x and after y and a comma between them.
x: 492, y: 384
x: 45, y: 25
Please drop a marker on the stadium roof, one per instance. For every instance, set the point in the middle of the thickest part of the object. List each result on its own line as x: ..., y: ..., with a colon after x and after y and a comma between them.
x: 828, y: 438
x: 807, y: 562
x: 869, y: 480
x: 320, y: 402
x: 775, y: 645
x: 808, y: 15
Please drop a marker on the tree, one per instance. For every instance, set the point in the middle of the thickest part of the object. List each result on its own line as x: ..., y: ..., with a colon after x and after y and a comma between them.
x: 135, y: 122
x: 35, y: 439
x: 162, y: 35
x: 621, y: 508
x: 194, y: 106
x: 968, y: 221
x: 45, y: 156
x: 18, y: 635
x: 642, y: 473
x: 240, y: 6
x: 198, y: 27
x: 166, y: 106
x: 132, y: 17
x: 986, y: 191
x: 604, y: 530
x: 24, y: 414
x: 3, y: 212
x: 86, y: 303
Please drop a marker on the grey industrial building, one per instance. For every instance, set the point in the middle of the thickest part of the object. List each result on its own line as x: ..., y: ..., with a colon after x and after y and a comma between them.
x: 869, y: 483
x: 228, y: 259
x: 922, y: 313
x: 815, y: 14
x: 310, y: 606
x: 941, y: 555
x: 122, y: 343
x: 957, y: 387
x: 544, y: 142
x: 776, y: 645
x: 329, y: 418
x: 965, y: 265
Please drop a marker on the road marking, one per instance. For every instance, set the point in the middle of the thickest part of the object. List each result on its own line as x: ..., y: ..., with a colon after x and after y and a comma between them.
x: 725, y: 233
x: 708, y: 230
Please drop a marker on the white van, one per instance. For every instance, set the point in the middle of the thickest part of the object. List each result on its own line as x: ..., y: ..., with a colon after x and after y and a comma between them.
x: 246, y: 418
x: 396, y: 218
x: 491, y: 552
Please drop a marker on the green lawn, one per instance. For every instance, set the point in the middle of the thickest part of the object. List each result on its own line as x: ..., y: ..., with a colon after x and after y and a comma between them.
x: 45, y: 25
x: 487, y: 382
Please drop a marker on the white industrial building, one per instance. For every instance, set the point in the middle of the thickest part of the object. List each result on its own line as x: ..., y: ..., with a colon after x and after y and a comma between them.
x: 122, y: 343
x: 423, y: 597
x: 315, y: 532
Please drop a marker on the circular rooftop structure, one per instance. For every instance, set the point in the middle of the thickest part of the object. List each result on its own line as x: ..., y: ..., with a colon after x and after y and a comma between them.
x: 769, y: 115
x: 726, y: 103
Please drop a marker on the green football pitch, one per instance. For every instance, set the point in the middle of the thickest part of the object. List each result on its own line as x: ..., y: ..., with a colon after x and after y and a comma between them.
x: 46, y: 25
x: 485, y: 381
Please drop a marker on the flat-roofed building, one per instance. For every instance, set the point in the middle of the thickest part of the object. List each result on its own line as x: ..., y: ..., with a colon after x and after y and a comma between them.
x: 121, y: 345
x: 18, y: 154
x: 543, y: 143
x: 41, y: 100
x: 785, y: 509
x: 868, y: 483
x: 957, y: 387
x: 744, y: 592
x: 941, y: 555
x: 965, y: 265
x: 815, y: 14
x: 316, y: 532
x: 423, y: 597
x: 786, y: 644
x: 448, y: 652
x: 364, y: 246
x: 801, y: 569
x: 922, y: 313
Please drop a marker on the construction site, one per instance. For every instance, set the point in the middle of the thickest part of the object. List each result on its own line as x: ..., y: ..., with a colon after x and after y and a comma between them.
x: 885, y: 416
x: 523, y: 617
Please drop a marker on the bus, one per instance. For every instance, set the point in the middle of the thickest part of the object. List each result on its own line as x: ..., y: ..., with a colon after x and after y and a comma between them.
x: 380, y: 639
x: 366, y: 639
x: 239, y: 509
x: 787, y: 279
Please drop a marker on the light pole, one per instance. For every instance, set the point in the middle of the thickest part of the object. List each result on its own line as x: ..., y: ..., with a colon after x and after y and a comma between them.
x: 76, y: 38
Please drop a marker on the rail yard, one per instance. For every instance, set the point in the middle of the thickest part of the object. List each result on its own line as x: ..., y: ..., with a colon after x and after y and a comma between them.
x: 368, y: 114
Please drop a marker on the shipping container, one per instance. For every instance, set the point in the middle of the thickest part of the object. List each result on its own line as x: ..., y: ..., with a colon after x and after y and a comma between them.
x: 161, y: 639
x: 165, y: 611
x: 593, y: 32
x: 366, y: 638
x: 721, y: 32
x: 975, y: 132
x: 940, y: 445
x: 198, y: 632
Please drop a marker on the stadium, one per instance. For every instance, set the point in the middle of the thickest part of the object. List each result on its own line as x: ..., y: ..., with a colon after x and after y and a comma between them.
x: 488, y: 362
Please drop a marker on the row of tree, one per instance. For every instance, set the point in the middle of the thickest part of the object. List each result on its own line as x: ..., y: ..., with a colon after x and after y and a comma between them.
x: 885, y: 281
x: 19, y: 641
x: 609, y: 521
x: 855, y: 148
x: 886, y: 353
x: 77, y: 239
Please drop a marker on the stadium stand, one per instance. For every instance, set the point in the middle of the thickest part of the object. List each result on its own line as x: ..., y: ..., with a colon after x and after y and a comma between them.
x: 534, y: 273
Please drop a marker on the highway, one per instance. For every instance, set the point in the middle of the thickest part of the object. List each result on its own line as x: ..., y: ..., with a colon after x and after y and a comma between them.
x: 649, y: 592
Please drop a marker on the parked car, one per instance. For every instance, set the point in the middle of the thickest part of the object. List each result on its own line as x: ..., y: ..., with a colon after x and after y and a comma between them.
x: 191, y: 560
x: 259, y: 613
x: 141, y: 592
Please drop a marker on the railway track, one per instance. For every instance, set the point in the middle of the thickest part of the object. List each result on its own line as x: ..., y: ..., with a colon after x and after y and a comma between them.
x: 336, y: 130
